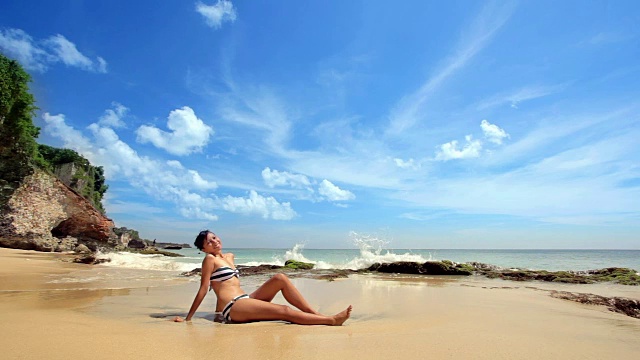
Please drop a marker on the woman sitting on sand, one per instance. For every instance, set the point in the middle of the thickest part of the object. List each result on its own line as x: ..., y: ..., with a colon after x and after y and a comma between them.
x: 233, y: 305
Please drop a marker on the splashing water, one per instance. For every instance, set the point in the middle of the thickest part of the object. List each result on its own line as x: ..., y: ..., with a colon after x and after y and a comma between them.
x: 372, y: 249
x: 296, y: 254
x: 375, y: 250
x: 142, y: 261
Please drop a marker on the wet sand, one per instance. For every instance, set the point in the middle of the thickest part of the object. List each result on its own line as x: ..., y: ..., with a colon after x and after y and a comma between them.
x: 56, y: 310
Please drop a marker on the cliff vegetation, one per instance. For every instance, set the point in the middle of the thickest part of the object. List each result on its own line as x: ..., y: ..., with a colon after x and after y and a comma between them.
x: 19, y: 151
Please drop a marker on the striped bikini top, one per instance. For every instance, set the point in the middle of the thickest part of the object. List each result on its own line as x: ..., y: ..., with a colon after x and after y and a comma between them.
x: 224, y: 273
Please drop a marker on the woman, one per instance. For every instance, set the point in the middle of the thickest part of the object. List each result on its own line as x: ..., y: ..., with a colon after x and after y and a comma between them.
x: 233, y: 305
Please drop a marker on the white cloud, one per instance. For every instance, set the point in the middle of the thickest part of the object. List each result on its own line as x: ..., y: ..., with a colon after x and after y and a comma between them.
x: 72, y: 138
x: 163, y: 180
x: 113, y: 117
x: 409, y: 164
x: 168, y: 180
x: 67, y: 52
x: 493, y: 133
x: 273, y: 178
x: 188, y: 133
x: 37, y: 56
x: 197, y: 213
x: 17, y: 44
x: 334, y: 193
x: 216, y: 14
x: 450, y: 150
x: 101, y: 67
x: 255, y: 204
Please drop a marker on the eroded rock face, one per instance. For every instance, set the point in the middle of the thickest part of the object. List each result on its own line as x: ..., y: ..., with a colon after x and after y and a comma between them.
x: 46, y: 215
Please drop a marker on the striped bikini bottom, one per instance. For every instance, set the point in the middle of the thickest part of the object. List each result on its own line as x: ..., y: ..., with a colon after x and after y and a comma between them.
x: 225, y: 315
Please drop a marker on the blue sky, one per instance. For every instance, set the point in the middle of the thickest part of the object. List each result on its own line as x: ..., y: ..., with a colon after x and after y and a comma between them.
x: 429, y: 124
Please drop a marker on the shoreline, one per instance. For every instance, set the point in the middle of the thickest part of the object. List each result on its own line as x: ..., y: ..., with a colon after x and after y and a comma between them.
x: 64, y: 304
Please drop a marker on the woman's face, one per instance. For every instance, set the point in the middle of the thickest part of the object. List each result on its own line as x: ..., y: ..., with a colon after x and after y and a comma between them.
x: 212, y: 243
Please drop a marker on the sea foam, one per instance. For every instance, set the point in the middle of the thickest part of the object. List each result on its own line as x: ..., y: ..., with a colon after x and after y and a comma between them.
x: 144, y: 262
x: 372, y: 249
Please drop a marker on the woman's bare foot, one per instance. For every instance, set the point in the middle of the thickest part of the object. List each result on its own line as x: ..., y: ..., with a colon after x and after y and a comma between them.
x: 342, y: 316
x: 178, y: 319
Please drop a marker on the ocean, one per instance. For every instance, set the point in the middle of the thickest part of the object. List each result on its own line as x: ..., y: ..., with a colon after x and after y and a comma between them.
x: 369, y: 253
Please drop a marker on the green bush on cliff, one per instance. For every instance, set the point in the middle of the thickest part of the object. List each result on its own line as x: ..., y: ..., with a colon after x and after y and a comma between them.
x: 88, y: 180
x: 18, y: 148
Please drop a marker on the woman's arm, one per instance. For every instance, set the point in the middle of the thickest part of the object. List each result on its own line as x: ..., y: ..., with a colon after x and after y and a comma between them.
x: 207, y: 269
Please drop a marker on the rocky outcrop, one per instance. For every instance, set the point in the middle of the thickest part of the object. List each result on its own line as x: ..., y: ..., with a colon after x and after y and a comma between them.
x: 622, y: 276
x: 444, y: 267
x: 265, y: 269
x: 626, y: 306
x: 136, y: 244
x: 46, y: 215
x: 294, y: 264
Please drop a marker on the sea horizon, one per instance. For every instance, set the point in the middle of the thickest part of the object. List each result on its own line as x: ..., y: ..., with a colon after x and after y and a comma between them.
x: 367, y: 254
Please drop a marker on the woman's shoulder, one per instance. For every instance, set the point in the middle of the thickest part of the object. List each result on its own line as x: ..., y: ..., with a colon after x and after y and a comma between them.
x: 216, y: 261
x: 208, y: 260
x: 229, y: 258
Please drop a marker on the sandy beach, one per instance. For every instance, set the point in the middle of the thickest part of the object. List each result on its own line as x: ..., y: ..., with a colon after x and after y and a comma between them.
x: 54, y: 310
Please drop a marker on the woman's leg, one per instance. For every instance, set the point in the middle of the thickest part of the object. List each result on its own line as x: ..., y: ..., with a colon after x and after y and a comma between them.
x: 245, y: 310
x: 280, y: 282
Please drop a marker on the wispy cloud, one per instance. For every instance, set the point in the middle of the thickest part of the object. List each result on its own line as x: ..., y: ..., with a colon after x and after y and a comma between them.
x: 261, y: 110
x: 523, y: 94
x: 407, y: 164
x: 39, y: 55
x: 218, y: 13
x: 604, y: 38
x: 492, y: 17
x: 581, y: 181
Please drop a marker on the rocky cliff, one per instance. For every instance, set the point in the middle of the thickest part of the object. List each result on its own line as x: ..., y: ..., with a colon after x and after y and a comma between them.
x: 45, y: 214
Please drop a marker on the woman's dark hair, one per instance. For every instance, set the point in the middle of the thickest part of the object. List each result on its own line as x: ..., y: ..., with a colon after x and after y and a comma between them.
x: 202, y: 236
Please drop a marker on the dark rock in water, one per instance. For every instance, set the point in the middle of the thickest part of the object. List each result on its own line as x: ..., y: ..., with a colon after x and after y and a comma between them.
x: 172, y: 247
x: 445, y: 268
x: 89, y: 258
x: 293, y: 264
x: 196, y: 271
x: 330, y: 275
x: 319, y: 274
x: 622, y: 276
x: 428, y: 268
x: 482, y: 266
x: 83, y: 249
x: 255, y: 270
x: 629, y: 307
x: 137, y: 244
x: 399, y: 267
x: 154, y: 251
